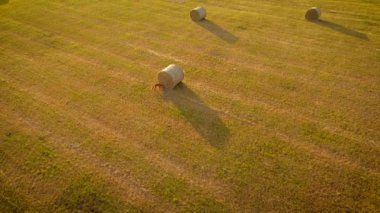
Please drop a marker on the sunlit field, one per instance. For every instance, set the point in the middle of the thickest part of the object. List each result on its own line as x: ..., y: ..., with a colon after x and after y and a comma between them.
x: 275, y: 113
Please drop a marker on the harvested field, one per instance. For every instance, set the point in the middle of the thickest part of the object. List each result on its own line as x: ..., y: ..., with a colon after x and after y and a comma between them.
x: 276, y: 113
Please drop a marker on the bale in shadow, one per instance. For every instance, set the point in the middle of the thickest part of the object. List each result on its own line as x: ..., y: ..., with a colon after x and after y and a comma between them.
x: 203, y: 119
x: 342, y: 29
x: 218, y: 31
x: 4, y: 2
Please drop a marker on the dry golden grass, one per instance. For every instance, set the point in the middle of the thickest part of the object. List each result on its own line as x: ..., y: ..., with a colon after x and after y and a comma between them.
x: 275, y: 114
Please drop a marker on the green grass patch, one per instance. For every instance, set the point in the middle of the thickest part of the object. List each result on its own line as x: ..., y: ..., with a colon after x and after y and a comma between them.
x: 33, y: 155
x: 88, y: 195
x: 10, y: 201
x: 178, y: 192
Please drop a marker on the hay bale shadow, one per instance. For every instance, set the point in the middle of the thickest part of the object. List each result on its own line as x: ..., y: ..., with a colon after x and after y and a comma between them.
x: 4, y: 2
x: 342, y: 29
x: 218, y: 31
x: 203, y: 119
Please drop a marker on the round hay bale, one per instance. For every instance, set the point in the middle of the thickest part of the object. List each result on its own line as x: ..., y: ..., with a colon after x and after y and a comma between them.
x: 198, y: 14
x: 171, y: 76
x: 313, y: 14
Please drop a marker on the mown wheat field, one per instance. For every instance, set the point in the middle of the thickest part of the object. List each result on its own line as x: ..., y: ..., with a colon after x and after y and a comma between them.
x: 275, y: 113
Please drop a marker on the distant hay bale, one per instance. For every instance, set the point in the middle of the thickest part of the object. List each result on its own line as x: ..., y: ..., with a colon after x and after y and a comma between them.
x: 313, y: 14
x: 198, y: 14
x: 170, y: 76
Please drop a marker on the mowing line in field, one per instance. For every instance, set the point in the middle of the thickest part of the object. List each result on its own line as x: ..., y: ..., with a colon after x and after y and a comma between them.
x: 211, y: 186
x: 115, y: 55
x: 124, y: 183
x: 134, y: 79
